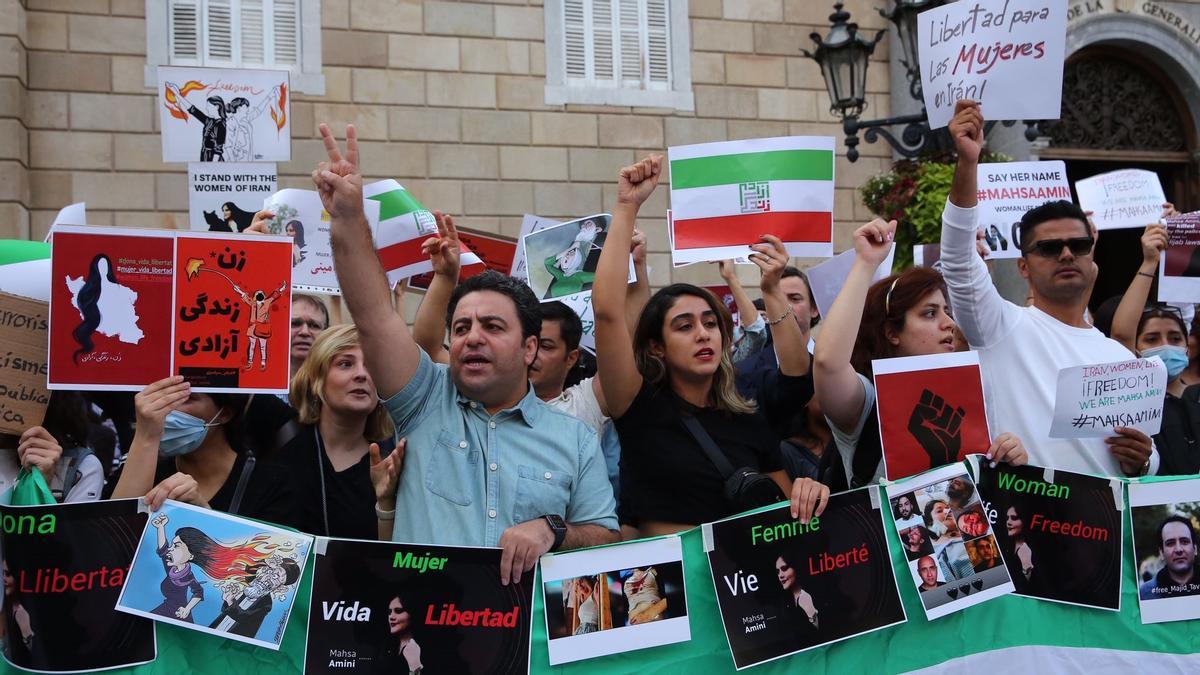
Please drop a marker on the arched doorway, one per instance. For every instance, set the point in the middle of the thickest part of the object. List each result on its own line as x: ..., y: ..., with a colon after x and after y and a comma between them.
x: 1119, y: 110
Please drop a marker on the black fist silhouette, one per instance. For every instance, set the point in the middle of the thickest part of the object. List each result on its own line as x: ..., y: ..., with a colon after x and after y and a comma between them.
x: 936, y: 425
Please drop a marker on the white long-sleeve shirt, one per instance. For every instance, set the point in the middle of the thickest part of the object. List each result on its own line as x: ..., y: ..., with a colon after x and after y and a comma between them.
x: 1021, y: 350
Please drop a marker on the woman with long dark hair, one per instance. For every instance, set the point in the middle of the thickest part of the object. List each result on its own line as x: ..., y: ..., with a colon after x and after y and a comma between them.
x: 105, y: 306
x: 400, y: 652
x: 801, y: 611
x: 236, y: 219
x: 686, y: 434
x: 295, y: 230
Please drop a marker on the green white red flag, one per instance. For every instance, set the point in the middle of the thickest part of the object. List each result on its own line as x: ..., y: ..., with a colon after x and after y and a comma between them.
x: 404, y: 223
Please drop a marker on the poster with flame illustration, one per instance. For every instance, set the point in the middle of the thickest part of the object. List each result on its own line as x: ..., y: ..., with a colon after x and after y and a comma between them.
x: 224, y: 115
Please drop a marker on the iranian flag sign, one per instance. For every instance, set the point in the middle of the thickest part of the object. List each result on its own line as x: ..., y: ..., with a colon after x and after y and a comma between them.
x: 404, y: 223
x: 725, y: 195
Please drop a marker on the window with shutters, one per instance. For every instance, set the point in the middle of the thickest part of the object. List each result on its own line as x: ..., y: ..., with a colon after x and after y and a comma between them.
x: 618, y: 52
x: 273, y: 34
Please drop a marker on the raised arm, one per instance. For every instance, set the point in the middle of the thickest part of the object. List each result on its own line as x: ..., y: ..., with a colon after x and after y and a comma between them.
x: 429, y: 326
x: 1129, y: 312
x: 390, y: 353
x: 617, y: 369
x: 791, y: 341
x: 838, y: 389
x: 747, y: 312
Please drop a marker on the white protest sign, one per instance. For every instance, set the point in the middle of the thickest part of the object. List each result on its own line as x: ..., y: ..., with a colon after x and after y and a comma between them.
x: 928, y: 255
x: 1179, y: 266
x: 828, y: 277
x: 71, y: 214
x: 1125, y: 198
x: 529, y: 225
x: 1093, y: 400
x: 224, y: 115
x: 992, y: 51
x: 225, y: 197
x: 1007, y: 190
x: 300, y: 215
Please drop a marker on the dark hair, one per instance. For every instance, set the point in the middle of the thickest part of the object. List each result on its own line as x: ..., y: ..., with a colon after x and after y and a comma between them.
x: 235, y: 428
x: 67, y: 418
x: 791, y: 271
x: 524, y: 301
x: 1160, y: 312
x: 315, y: 302
x: 928, y: 513
x: 760, y: 304
x: 1176, y: 519
x: 88, y: 299
x: 298, y: 228
x: 568, y: 322
x: 888, y: 300
x: 1054, y: 210
x: 222, y: 562
x: 219, y: 104
x: 912, y: 499
x: 1102, y: 318
x: 243, y: 219
x: 238, y: 102
x: 962, y: 493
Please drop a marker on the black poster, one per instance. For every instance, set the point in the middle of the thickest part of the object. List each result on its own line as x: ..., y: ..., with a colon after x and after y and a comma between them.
x: 64, y: 567
x: 385, y: 608
x: 785, y: 586
x: 1059, y: 532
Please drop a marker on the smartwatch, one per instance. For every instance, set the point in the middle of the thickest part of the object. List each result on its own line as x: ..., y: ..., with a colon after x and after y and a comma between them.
x: 559, y: 527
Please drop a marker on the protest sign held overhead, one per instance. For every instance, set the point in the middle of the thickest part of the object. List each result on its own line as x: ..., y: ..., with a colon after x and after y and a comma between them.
x: 931, y: 411
x: 225, y: 197
x: 828, y: 277
x: 784, y: 586
x: 1179, y: 267
x: 1125, y: 198
x: 64, y: 568
x: 23, y: 367
x: 300, y: 216
x: 1060, y: 533
x: 404, y: 224
x: 952, y: 553
x: 725, y: 196
x: 990, y: 51
x: 1091, y: 401
x: 529, y: 224
x: 216, y: 573
x: 1164, y: 548
x: 384, y: 607
x: 1007, y: 190
x: 224, y: 115
x: 614, y: 599
x: 562, y: 259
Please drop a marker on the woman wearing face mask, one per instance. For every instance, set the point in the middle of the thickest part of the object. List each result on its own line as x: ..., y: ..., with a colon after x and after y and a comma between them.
x: 192, y: 448
x: 1159, y: 330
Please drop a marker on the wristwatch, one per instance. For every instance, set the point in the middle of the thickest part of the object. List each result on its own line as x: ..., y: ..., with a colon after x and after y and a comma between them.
x: 559, y: 527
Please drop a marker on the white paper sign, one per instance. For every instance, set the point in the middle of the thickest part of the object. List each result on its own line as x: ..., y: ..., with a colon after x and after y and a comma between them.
x: 827, y: 278
x: 71, y: 214
x: 225, y: 197
x: 1179, y: 267
x: 993, y: 51
x: 1125, y: 198
x: 1091, y: 401
x: 1007, y: 190
x: 300, y: 215
x: 224, y: 115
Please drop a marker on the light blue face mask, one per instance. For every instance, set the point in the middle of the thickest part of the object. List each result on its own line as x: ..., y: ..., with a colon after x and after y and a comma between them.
x: 1174, y: 358
x: 183, y: 433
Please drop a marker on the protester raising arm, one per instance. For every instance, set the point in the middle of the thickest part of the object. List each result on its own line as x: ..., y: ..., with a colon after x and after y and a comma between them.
x: 791, y: 340
x: 429, y: 326
x: 388, y: 348
x: 638, y: 293
x: 1129, y: 312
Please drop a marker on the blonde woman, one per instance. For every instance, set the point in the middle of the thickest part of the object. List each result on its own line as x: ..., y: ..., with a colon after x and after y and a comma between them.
x: 335, y: 459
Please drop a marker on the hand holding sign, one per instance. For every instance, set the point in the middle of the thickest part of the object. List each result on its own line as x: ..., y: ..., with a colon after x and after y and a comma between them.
x: 936, y: 426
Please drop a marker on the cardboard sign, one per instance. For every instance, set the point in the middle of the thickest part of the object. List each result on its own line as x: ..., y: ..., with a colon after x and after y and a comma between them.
x: 951, y: 524
x: 495, y: 253
x: 1164, y: 549
x: 1090, y: 401
x: 64, y: 568
x: 784, y: 586
x: 383, y: 607
x: 225, y: 197
x: 614, y: 599
x: 224, y: 115
x: 23, y: 392
x: 931, y: 411
x: 726, y: 195
x: 215, y: 573
x: 1007, y: 190
x: 1060, y: 533
x: 300, y: 216
x: 1179, y: 268
x: 828, y: 277
x: 991, y: 51
x: 1125, y: 198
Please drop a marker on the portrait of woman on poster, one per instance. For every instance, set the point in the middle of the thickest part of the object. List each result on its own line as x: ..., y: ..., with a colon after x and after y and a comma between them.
x: 180, y: 582
x: 22, y: 646
x: 1020, y: 558
x: 587, y: 605
x: 801, y: 611
x: 400, y: 653
x: 646, y: 602
x: 295, y: 230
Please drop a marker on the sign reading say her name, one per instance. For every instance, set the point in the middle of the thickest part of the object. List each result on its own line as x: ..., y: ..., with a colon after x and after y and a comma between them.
x: 990, y: 51
x: 1091, y: 401
x: 1125, y: 198
x: 23, y: 393
x: 1007, y: 190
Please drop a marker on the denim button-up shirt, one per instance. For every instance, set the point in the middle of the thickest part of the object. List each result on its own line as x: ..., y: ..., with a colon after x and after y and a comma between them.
x: 469, y: 475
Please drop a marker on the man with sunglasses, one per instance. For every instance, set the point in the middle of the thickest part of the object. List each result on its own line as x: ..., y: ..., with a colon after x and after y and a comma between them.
x: 1021, y: 349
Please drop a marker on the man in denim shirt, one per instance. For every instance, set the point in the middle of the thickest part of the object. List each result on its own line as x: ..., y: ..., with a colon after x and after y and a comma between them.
x: 488, y: 464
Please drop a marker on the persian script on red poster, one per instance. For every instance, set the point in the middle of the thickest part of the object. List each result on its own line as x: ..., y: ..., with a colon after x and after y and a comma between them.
x: 931, y: 411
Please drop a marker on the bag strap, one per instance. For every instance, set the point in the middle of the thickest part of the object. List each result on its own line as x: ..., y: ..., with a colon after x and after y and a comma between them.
x: 243, y: 481
x: 708, y: 445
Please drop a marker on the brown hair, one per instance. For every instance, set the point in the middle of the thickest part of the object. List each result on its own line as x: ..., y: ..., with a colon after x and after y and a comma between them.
x: 888, y: 300
x: 309, y: 381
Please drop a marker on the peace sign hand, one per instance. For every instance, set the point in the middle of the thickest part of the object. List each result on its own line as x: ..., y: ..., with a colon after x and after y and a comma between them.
x: 339, y: 181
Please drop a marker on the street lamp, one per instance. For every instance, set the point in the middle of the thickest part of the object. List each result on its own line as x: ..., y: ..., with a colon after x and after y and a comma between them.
x: 903, y: 14
x: 843, y: 56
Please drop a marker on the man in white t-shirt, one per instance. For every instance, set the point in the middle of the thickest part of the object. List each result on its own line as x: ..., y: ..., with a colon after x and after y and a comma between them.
x: 1021, y: 349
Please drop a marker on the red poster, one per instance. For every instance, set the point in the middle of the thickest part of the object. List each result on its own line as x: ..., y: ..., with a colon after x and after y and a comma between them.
x: 109, y: 291
x: 495, y: 251
x: 931, y: 411
x: 232, y: 311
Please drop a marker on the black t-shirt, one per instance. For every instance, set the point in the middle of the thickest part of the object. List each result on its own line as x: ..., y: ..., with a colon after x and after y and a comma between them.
x: 665, y: 475
x: 349, y: 496
x: 1178, y: 441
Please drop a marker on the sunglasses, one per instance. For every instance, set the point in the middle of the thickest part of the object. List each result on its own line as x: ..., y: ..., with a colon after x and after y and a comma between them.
x: 1052, y: 248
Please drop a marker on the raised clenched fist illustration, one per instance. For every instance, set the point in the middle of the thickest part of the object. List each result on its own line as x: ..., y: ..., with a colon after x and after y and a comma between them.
x: 937, y: 426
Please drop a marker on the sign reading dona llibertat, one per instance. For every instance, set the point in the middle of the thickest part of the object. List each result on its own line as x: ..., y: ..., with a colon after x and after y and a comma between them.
x: 784, y: 586
x: 382, y: 607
